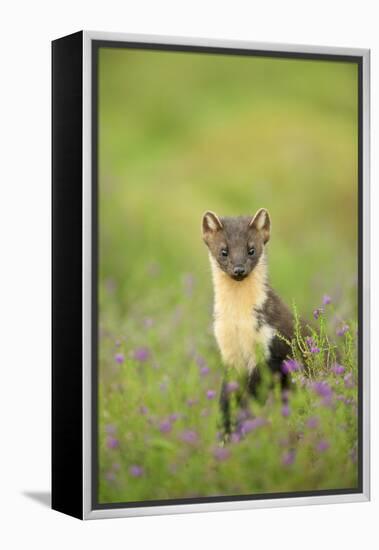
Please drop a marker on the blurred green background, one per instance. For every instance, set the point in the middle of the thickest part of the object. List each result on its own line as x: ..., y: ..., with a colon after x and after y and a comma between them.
x: 180, y: 133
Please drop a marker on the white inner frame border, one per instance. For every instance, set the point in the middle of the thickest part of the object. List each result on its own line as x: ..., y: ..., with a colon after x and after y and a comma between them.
x: 88, y: 512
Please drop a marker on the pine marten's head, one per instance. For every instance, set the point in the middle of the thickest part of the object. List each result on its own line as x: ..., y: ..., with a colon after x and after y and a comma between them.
x: 236, y: 244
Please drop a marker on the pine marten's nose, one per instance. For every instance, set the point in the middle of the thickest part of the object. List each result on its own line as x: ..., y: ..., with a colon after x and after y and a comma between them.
x: 239, y: 270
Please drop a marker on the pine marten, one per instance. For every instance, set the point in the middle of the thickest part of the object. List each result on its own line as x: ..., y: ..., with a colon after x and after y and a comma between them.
x: 248, y: 314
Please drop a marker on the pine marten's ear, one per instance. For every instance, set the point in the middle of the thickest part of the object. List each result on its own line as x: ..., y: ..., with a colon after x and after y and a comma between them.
x: 262, y: 223
x: 211, y: 223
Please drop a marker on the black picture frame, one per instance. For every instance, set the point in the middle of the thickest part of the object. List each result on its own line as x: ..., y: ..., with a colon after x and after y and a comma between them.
x: 74, y: 133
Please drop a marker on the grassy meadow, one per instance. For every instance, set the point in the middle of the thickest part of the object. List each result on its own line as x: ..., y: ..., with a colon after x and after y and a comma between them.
x: 180, y: 133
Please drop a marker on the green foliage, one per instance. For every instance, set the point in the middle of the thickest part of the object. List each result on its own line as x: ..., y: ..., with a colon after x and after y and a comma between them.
x: 152, y: 398
x: 180, y: 134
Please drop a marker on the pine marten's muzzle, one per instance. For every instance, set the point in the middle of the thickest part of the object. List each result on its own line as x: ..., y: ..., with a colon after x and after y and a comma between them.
x: 239, y: 272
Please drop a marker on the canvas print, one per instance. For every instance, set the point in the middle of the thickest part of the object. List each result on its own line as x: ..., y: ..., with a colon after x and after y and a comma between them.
x: 228, y: 298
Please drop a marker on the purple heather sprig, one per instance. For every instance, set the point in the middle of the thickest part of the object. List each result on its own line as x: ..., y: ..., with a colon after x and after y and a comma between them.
x: 235, y: 437
x: 290, y: 365
x: 110, y: 428
x: 143, y: 409
x: 110, y: 476
x: 112, y: 442
x: 252, y: 424
x: 348, y: 380
x: 288, y: 458
x: 312, y: 345
x: 119, y: 358
x: 165, y: 426
x: 342, y: 330
x: 322, y: 446
x: 338, y: 369
x: 221, y: 453
x: 322, y: 389
x: 136, y: 471
x: 211, y: 394
x: 189, y: 436
x: 313, y: 422
x: 317, y: 312
x: 192, y: 401
x: 232, y: 386
x: 200, y: 361
x: 141, y: 354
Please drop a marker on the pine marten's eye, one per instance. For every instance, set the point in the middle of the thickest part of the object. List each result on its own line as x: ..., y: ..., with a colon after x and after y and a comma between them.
x: 224, y: 252
x: 251, y: 251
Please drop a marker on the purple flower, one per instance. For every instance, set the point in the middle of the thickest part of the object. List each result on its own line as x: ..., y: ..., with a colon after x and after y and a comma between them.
x: 322, y: 446
x: 200, y: 361
x: 192, y: 401
x: 221, y: 453
x: 250, y: 425
x: 338, y: 369
x: 110, y: 429
x: 286, y: 411
x: 119, y: 358
x: 342, y: 330
x: 243, y: 414
x: 326, y: 300
x: 317, y: 312
x: 322, y: 389
x: 174, y: 416
x: 348, y: 380
x: 110, y: 476
x: 189, y: 436
x: 112, y: 442
x: 143, y: 410
x: 141, y: 354
x: 312, y: 345
x: 288, y: 458
x: 165, y: 426
x: 232, y: 386
x: 353, y: 454
x: 235, y: 437
x: 204, y: 370
x: 290, y: 365
x: 327, y: 401
x: 211, y: 394
x: 136, y: 471
x: 313, y: 422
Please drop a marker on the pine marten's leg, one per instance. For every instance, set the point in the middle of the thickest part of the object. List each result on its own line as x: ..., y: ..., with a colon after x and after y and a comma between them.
x: 253, y: 382
x: 225, y: 410
x: 276, y: 369
x: 279, y: 351
x: 257, y: 389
